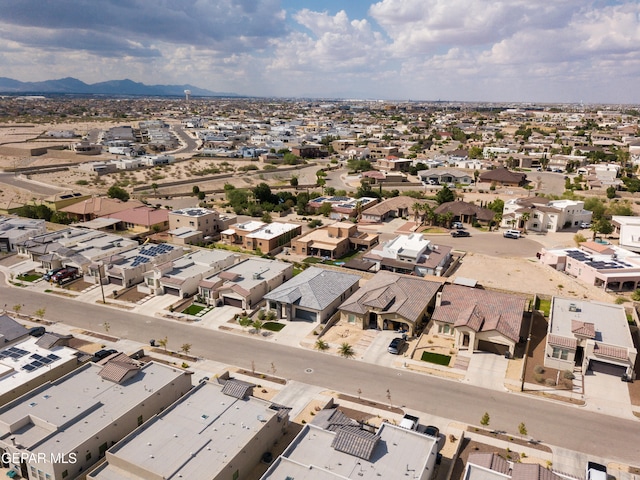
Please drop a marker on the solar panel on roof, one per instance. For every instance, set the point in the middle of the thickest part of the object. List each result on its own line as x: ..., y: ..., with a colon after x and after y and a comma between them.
x: 37, y: 364
x: 28, y: 368
x: 53, y: 356
x: 46, y: 361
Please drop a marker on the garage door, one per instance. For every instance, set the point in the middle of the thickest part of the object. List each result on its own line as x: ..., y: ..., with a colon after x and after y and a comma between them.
x: 172, y: 291
x: 492, y: 347
x: 608, y: 368
x: 234, y: 302
x: 115, y: 280
x: 306, y: 315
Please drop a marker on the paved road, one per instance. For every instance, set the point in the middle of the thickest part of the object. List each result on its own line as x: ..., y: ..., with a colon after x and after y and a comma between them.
x: 35, y: 187
x: 553, y: 423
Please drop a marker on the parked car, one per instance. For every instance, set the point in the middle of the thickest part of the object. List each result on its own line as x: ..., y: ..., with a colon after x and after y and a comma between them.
x: 457, y: 225
x: 432, y: 431
x: 47, y: 276
x: 396, y: 345
x: 585, y: 225
x: 68, y: 273
x: 100, y: 354
x: 595, y: 471
x: 511, y: 234
x: 460, y: 233
x: 37, y: 331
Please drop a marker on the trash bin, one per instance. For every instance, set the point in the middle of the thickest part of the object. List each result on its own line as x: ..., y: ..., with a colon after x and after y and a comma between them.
x: 152, y: 342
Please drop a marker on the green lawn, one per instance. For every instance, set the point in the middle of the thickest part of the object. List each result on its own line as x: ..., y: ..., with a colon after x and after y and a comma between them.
x: 312, y: 260
x: 193, y: 309
x: 544, y: 306
x: 273, y: 326
x: 30, y: 277
x: 436, y: 358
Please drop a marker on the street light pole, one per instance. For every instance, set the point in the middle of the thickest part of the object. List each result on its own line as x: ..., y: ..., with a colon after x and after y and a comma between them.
x: 526, y: 355
x: 100, y: 272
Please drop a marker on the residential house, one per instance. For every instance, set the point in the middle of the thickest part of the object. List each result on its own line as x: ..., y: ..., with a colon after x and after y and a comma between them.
x: 30, y: 362
x: 342, y: 207
x: 445, y: 176
x: 190, y: 439
x: 128, y: 268
x: 245, y: 284
x: 182, y: 276
x: 491, y: 466
x: 313, y: 295
x: 394, y: 164
x: 411, y: 254
x: 11, y: 331
x: 333, y: 241
x: 16, y: 230
x: 540, y: 214
x: 95, y: 207
x: 590, y: 336
x: 64, y: 199
x: 379, y: 177
x: 479, y: 319
x: 502, y: 176
x: 142, y: 219
x: 79, y: 416
x: 394, y: 207
x: 309, y: 151
x: 197, y: 224
x: 466, y: 212
x: 380, y: 152
x: 339, y: 448
x: 607, y: 266
x: 266, y: 237
x: 390, y: 301
x: 628, y: 228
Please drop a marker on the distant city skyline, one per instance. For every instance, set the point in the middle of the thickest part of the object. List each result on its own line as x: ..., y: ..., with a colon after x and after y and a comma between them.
x: 512, y: 51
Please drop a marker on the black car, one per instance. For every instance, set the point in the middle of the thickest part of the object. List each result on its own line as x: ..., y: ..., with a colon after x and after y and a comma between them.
x: 460, y: 233
x: 37, y: 331
x: 432, y: 431
x: 396, y: 345
x: 100, y: 354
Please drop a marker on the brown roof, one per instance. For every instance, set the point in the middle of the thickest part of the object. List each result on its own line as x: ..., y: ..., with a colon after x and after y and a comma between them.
x: 611, y: 351
x: 463, y: 208
x: 145, y: 216
x: 394, y: 203
x: 560, y: 341
x: 532, y: 471
x: 492, y: 461
x: 100, y: 206
x: 584, y: 329
x: 404, y: 295
x: 117, y: 368
x: 501, y: 312
x: 502, y: 175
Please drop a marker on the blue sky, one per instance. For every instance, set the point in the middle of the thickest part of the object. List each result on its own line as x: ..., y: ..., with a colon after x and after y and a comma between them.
x: 468, y: 50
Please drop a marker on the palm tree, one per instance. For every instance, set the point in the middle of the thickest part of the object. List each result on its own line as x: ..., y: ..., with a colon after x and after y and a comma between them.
x: 416, y: 207
x: 346, y: 350
x: 448, y: 217
x: 525, y: 218
x: 321, y: 345
x: 497, y: 219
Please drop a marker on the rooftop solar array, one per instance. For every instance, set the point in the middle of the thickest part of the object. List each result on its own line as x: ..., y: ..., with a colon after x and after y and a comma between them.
x: 150, y: 251
x: 13, y: 352
x: 40, y: 361
x: 578, y: 255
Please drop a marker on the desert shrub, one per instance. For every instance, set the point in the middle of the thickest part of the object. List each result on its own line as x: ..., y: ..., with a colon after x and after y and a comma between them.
x: 566, y: 384
x: 568, y: 374
x: 550, y: 382
x: 538, y: 377
x: 538, y: 369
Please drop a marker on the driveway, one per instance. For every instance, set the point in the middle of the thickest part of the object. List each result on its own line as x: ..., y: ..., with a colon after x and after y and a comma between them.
x: 607, y: 394
x: 377, y: 351
x: 486, y: 370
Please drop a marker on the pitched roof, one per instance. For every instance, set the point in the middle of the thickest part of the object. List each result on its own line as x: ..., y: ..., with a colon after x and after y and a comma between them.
x: 532, y: 471
x: 145, y: 216
x: 492, y: 461
x: 501, y: 312
x: 584, y: 329
x: 11, y: 330
x: 464, y: 208
x: 502, y: 175
x: 314, y: 288
x: 100, y: 206
x: 118, y: 367
x: 237, y: 388
x: 611, y: 351
x: 561, y: 341
x: 410, y: 295
x: 355, y: 441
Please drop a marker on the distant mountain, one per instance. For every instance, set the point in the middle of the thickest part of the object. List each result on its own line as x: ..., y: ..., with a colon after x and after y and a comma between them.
x: 71, y: 85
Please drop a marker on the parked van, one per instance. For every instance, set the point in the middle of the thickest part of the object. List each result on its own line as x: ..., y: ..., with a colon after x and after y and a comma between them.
x: 511, y: 234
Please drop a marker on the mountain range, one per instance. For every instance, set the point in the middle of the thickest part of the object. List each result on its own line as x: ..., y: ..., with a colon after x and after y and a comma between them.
x: 74, y: 86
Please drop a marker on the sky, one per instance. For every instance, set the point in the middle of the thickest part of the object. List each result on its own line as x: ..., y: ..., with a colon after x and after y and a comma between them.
x: 458, y: 50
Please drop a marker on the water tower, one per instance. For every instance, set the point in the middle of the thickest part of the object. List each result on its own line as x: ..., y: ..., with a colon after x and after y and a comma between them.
x: 187, y: 94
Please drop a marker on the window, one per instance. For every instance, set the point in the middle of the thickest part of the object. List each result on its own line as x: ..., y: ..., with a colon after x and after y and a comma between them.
x: 351, y: 318
x: 140, y: 420
x: 560, y: 353
x: 445, y: 329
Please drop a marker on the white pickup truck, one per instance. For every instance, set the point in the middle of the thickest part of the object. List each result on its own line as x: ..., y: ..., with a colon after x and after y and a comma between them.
x: 596, y: 471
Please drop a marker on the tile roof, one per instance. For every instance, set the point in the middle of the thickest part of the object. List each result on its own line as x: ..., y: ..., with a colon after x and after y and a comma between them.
x: 611, y: 351
x: 118, y: 367
x: 355, y: 441
x: 501, y: 312
x: 315, y: 288
x: 145, y: 216
x: 459, y: 207
x: 532, y: 471
x: 411, y: 295
x: 584, y: 329
x: 237, y: 388
x: 333, y: 420
x: 492, y: 461
x: 560, y: 341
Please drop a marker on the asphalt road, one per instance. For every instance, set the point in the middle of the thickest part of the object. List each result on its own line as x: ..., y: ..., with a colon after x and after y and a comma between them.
x: 550, y: 422
x: 37, y: 188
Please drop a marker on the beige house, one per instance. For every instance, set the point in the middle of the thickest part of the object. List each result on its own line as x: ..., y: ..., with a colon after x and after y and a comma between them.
x: 196, y: 219
x: 390, y: 301
x: 333, y: 241
x: 479, y: 319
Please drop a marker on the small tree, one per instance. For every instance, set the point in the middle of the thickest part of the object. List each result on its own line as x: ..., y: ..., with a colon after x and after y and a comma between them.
x: 257, y: 325
x: 611, y: 192
x: 40, y: 313
x: 163, y: 343
x: 346, y: 350
x: 195, y: 190
x: 294, y: 181
x: 389, y: 397
x: 273, y: 368
x: 186, y: 347
x: 17, y: 307
x: 245, y: 322
x: 321, y: 345
x: 484, y: 421
x: 522, y: 429
x: 271, y: 315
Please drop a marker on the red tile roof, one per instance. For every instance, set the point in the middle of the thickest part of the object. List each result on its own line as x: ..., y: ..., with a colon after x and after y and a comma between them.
x: 560, y: 341
x: 611, y: 351
x: 584, y: 329
x: 145, y: 216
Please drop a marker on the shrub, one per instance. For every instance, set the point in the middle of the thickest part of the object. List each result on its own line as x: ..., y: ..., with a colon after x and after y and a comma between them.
x: 538, y: 377
x: 538, y: 369
x: 568, y: 374
x: 550, y: 382
x: 566, y: 384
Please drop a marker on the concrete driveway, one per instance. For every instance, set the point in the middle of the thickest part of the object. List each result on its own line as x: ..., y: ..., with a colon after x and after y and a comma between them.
x: 607, y: 394
x: 377, y: 353
x: 486, y: 370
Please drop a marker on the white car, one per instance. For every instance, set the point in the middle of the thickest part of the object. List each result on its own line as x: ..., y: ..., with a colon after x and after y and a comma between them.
x: 585, y: 225
x: 511, y: 234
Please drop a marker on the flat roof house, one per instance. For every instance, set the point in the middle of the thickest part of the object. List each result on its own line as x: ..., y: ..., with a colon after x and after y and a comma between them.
x: 412, y: 255
x: 191, y: 438
x: 313, y: 295
x: 69, y: 424
x: 30, y: 363
x: 349, y: 452
x: 479, y: 319
x: 201, y: 222
x: 15, y: 230
x: 540, y: 214
x: 390, y: 301
x: 342, y: 207
x: 182, y: 276
x: 245, y: 284
x: 491, y: 466
x: 333, y: 241
x: 591, y: 336
x: 255, y: 235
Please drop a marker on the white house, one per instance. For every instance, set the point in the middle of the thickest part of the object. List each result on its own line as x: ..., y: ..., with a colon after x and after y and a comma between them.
x: 540, y: 214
